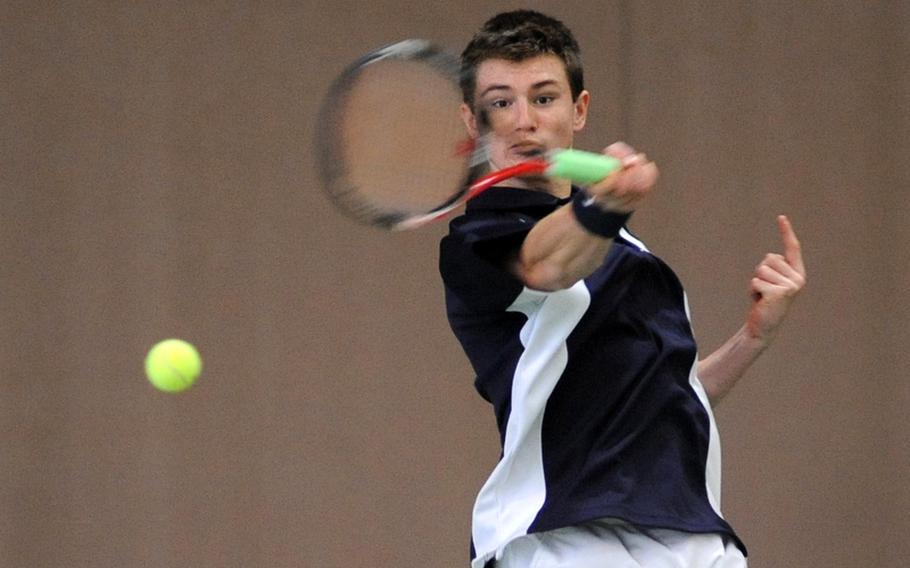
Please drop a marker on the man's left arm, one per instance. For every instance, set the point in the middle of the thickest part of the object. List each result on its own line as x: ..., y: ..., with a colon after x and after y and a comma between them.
x: 777, y: 280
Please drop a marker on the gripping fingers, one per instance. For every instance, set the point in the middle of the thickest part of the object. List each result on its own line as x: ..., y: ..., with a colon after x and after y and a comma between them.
x: 625, y: 188
x: 619, y: 150
x: 635, y: 181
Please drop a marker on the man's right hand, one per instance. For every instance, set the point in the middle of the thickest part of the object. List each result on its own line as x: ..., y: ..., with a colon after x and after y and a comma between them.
x: 624, y: 190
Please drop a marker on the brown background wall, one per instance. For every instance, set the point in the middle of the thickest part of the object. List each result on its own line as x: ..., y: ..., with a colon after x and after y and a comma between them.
x: 157, y: 180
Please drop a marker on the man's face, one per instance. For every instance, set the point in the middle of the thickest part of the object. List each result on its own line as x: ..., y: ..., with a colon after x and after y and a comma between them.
x: 529, y: 108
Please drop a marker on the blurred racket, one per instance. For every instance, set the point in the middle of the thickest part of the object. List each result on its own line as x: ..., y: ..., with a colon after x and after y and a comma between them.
x: 393, y: 151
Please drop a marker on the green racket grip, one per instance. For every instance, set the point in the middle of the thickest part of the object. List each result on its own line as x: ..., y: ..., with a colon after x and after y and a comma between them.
x: 581, y: 167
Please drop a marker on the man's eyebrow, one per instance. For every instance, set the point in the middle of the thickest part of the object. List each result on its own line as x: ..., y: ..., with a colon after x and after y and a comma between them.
x: 492, y: 88
x: 545, y: 83
x: 537, y: 85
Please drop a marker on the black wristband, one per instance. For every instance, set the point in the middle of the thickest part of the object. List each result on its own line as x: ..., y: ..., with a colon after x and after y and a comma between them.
x: 596, y: 220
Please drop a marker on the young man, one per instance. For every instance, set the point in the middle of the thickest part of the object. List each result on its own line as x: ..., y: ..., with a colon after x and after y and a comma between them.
x: 580, y: 337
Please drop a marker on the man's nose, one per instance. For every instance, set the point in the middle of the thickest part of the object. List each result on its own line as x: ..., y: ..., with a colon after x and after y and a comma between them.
x: 526, y: 116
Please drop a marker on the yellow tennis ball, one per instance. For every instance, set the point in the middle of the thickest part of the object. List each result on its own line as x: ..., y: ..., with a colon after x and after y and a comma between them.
x: 173, y: 365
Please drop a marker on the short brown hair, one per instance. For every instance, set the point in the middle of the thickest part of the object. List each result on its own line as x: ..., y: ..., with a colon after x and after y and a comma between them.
x: 516, y: 36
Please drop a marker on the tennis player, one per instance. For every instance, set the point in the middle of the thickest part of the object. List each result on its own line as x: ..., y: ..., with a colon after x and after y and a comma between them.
x: 580, y: 337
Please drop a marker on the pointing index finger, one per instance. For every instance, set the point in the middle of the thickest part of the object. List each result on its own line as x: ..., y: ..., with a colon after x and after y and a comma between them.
x: 792, y: 249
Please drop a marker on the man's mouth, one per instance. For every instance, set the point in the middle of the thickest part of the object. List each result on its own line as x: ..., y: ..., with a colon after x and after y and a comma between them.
x: 528, y: 149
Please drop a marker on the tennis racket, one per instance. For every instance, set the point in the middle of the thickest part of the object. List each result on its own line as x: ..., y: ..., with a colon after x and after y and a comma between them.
x: 393, y: 151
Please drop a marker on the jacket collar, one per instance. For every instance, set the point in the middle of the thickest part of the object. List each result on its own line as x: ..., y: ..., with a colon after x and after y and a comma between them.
x: 497, y: 198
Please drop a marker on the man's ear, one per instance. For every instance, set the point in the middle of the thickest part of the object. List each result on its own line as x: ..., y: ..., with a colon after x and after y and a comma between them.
x: 469, y: 119
x: 581, y: 110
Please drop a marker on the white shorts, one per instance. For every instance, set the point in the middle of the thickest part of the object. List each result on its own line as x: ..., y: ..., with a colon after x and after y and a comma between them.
x: 616, y: 544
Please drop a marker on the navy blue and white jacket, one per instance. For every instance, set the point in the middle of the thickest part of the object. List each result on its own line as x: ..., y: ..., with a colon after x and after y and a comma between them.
x: 600, y: 411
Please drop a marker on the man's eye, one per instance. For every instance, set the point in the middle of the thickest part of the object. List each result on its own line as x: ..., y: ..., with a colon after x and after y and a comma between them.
x: 499, y: 103
x: 544, y: 99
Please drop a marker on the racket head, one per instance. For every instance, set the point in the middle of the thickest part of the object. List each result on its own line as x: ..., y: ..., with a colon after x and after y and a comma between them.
x: 392, y: 148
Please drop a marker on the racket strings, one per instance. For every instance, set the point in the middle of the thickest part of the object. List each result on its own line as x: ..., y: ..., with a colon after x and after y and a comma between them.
x: 402, y: 141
